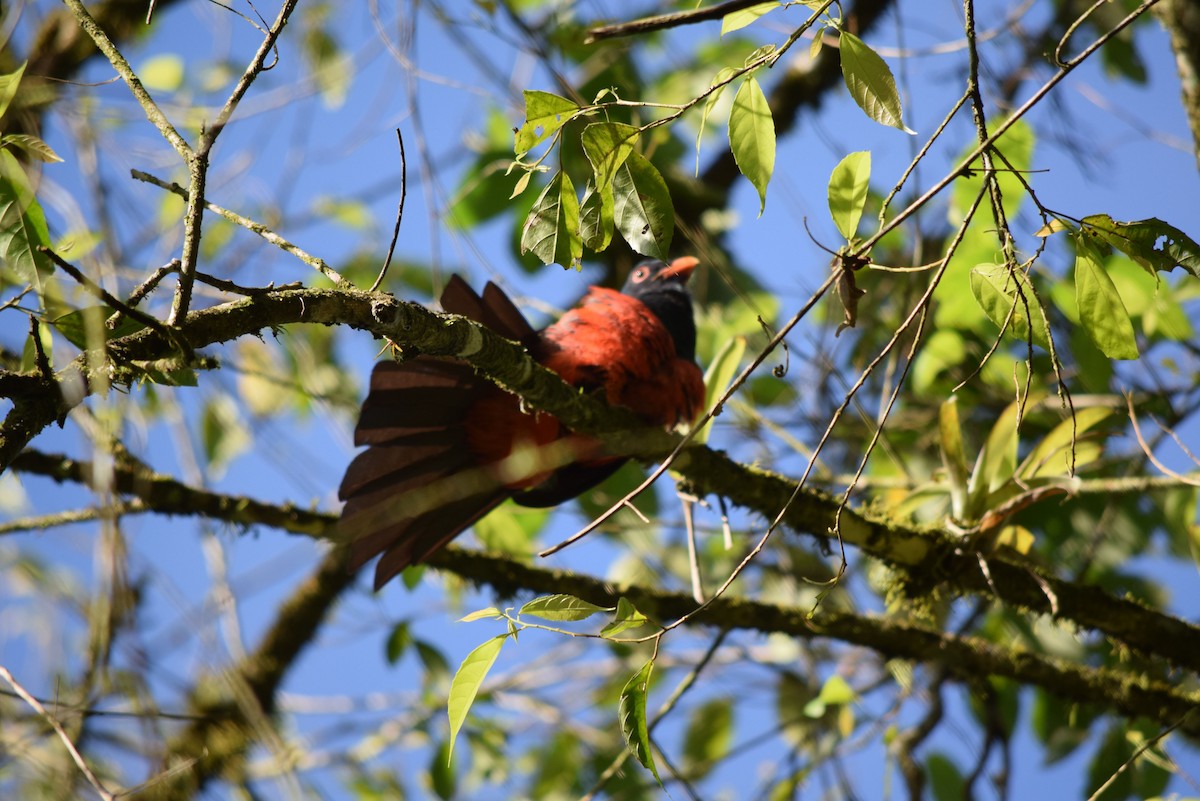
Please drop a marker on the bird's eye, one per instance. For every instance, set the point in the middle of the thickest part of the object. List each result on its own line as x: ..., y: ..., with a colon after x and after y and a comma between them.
x: 641, y: 274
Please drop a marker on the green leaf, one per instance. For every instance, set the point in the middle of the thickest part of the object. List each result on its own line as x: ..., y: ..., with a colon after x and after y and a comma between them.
x: 848, y: 192
x: 997, y: 460
x: 545, y: 113
x: 995, y: 287
x: 607, y: 145
x: 736, y: 20
x: 1101, y: 310
x: 836, y: 690
x: 870, y: 82
x: 80, y: 326
x: 467, y: 680
x: 22, y: 229
x: 8, y: 87
x: 721, y: 76
x: 632, y: 711
x: 642, y: 207
x: 561, y: 607
x: 551, y: 230
x: 596, y: 218
x: 945, y: 779
x: 752, y: 137
x: 442, y: 776
x: 953, y: 455
x: 397, y: 642
x: 163, y: 73
x: 1140, y: 241
x: 31, y: 145
x: 718, y: 376
x: 1016, y: 144
x: 223, y: 435
x: 1052, y: 456
x: 627, y: 617
x: 708, y: 736
x: 489, y: 613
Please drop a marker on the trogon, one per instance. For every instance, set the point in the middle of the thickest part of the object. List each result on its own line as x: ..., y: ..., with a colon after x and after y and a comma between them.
x: 445, y: 446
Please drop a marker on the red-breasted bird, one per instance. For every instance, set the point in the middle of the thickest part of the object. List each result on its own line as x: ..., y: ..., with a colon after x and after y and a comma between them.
x: 446, y: 446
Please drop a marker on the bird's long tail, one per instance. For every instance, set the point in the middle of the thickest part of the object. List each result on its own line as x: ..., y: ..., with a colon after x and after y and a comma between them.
x: 418, y: 484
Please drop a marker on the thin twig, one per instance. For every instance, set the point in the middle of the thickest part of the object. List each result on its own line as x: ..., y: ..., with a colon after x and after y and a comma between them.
x: 62, y: 735
x: 250, y: 225
x: 387, y: 262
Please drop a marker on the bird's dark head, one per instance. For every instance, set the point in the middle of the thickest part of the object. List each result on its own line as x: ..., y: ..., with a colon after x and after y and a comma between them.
x: 663, y: 288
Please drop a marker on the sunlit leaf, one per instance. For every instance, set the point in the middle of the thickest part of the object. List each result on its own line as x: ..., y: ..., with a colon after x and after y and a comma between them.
x: 719, y: 82
x: 870, y: 82
x: 22, y: 229
x: 736, y: 20
x: 1101, y: 310
x: 561, y: 607
x: 545, y: 113
x: 752, y: 137
x: 1007, y: 297
x: 642, y: 207
x: 597, y: 218
x: 163, y: 72
x: 8, y: 86
x: 487, y: 613
x: 466, y: 684
x: 607, y: 145
x: 551, y: 230
x: 718, y: 376
x: 1052, y: 456
x: 31, y: 145
x: 627, y: 617
x: 632, y: 711
x: 848, y: 191
x: 1152, y: 243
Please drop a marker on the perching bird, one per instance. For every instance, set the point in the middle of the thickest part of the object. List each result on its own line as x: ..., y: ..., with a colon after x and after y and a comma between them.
x: 446, y: 446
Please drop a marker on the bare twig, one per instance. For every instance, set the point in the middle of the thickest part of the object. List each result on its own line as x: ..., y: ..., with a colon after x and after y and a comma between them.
x: 62, y: 735
x: 399, y: 213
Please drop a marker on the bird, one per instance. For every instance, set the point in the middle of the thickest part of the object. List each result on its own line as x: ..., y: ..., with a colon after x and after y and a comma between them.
x: 445, y: 446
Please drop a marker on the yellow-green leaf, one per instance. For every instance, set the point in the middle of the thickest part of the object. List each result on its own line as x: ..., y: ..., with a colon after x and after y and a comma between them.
x: 752, y: 137
x: 562, y: 607
x: 163, y: 73
x: 870, y: 82
x: 1007, y: 297
x: 848, y: 191
x: 632, y: 711
x: 1052, y: 456
x: 467, y: 681
x: 736, y: 20
x: 551, y: 230
x: 719, y: 374
x: 31, y: 145
x: 627, y: 617
x: 717, y: 81
x: 545, y: 113
x: 1101, y: 310
x: 1152, y: 243
x: 8, y: 86
x: 607, y: 145
x: 596, y: 218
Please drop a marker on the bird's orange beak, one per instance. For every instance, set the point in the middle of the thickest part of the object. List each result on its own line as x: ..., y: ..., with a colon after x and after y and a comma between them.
x: 682, y: 267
